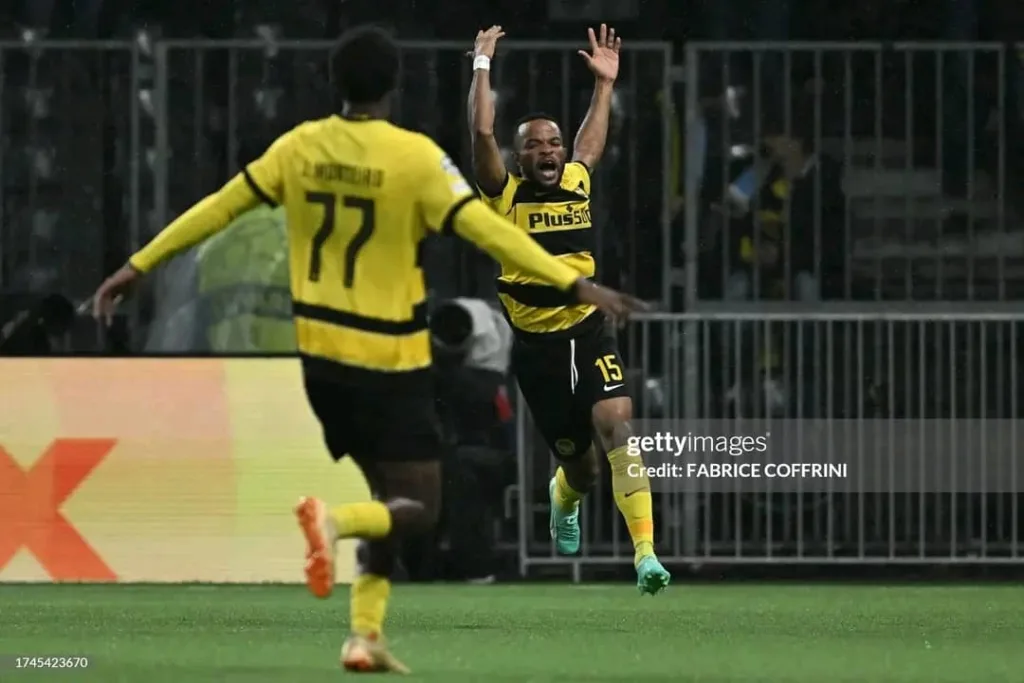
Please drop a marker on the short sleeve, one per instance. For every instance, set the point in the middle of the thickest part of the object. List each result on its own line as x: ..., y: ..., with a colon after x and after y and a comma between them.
x: 502, y: 203
x: 576, y: 177
x: 265, y: 176
x: 442, y: 188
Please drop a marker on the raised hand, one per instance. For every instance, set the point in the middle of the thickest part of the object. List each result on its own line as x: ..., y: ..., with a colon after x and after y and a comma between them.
x: 603, y: 60
x: 487, y: 41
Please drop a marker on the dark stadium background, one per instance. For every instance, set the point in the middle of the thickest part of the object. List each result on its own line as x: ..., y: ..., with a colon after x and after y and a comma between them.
x: 948, y: 114
x: 880, y: 290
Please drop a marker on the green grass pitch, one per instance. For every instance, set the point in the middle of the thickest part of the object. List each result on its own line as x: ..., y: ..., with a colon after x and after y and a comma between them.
x: 527, y: 633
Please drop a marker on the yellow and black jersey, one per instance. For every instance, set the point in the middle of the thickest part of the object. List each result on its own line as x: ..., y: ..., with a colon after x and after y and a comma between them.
x: 559, y: 220
x: 770, y: 215
x: 360, y: 196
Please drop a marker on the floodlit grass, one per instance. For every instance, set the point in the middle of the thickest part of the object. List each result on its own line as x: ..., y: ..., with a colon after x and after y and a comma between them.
x: 527, y: 633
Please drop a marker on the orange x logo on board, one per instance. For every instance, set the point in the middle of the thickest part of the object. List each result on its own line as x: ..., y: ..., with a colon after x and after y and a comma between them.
x: 30, y: 516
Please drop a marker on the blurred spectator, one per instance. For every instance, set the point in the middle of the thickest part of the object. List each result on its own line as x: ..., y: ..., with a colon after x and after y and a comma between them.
x: 781, y: 236
x: 786, y: 214
x: 29, y: 326
x: 472, y: 344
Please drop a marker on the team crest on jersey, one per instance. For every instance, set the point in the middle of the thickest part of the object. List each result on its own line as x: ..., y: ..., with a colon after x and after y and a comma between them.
x: 565, y: 447
x: 455, y: 177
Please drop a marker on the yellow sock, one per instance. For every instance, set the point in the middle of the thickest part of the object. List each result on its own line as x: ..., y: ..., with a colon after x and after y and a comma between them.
x: 362, y: 520
x: 566, y: 498
x: 368, y: 604
x: 633, y: 498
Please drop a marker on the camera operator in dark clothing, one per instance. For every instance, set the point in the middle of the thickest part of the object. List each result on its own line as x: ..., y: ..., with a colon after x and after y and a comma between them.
x: 29, y: 326
x: 472, y: 344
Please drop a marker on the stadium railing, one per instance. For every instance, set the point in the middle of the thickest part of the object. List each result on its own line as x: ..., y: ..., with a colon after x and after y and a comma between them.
x: 220, y: 103
x: 925, y: 135
x: 921, y: 403
x: 920, y: 138
x: 177, y: 117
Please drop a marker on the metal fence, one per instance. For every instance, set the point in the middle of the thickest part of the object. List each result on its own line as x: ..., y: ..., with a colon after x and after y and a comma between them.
x: 105, y: 142
x: 926, y: 407
x: 220, y: 103
x: 912, y: 192
x: 906, y: 191
x: 108, y: 140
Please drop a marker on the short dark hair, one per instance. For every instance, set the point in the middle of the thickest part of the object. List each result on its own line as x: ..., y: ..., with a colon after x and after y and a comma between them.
x: 366, y: 65
x: 535, y: 116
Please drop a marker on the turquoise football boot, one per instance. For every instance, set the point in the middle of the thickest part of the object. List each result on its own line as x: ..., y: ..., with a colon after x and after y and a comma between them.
x: 565, y: 527
x: 651, y: 577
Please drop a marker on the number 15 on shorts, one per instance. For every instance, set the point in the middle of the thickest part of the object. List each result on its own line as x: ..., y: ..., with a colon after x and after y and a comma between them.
x: 610, y: 369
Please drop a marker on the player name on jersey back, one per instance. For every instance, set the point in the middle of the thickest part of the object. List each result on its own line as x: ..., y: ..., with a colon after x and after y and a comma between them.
x: 360, y: 196
x: 344, y: 173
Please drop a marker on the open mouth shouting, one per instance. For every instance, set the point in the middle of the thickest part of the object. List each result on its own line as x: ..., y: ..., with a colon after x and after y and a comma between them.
x: 547, y: 170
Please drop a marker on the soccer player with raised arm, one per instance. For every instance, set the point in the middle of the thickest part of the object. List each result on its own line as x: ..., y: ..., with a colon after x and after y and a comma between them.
x: 564, y: 358
x: 360, y: 195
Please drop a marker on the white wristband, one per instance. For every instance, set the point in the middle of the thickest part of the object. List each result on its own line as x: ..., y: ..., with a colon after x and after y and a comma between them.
x: 482, y: 62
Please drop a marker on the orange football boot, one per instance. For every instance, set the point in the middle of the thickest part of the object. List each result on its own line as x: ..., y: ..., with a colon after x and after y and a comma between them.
x: 321, y: 536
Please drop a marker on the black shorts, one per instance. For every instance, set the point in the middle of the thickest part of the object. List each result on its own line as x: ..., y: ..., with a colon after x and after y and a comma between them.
x: 562, y: 379
x: 373, y: 423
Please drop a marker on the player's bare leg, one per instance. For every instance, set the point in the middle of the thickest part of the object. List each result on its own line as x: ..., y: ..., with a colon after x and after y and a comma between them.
x: 632, y: 491
x: 411, y: 492
x: 573, y: 479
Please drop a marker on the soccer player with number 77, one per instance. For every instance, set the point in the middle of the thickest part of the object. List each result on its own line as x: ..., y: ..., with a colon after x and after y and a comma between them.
x: 360, y: 196
x: 565, y: 359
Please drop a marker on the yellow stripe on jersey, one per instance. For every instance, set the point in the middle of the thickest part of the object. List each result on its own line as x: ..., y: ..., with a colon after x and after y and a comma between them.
x: 323, y: 333
x: 359, y: 198
x: 559, y: 220
x: 357, y: 289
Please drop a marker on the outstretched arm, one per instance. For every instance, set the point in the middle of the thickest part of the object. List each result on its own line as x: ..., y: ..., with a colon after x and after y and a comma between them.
x: 261, y: 181
x: 202, y: 221
x: 205, y: 219
x: 488, y: 166
x: 449, y: 206
x: 603, y: 62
